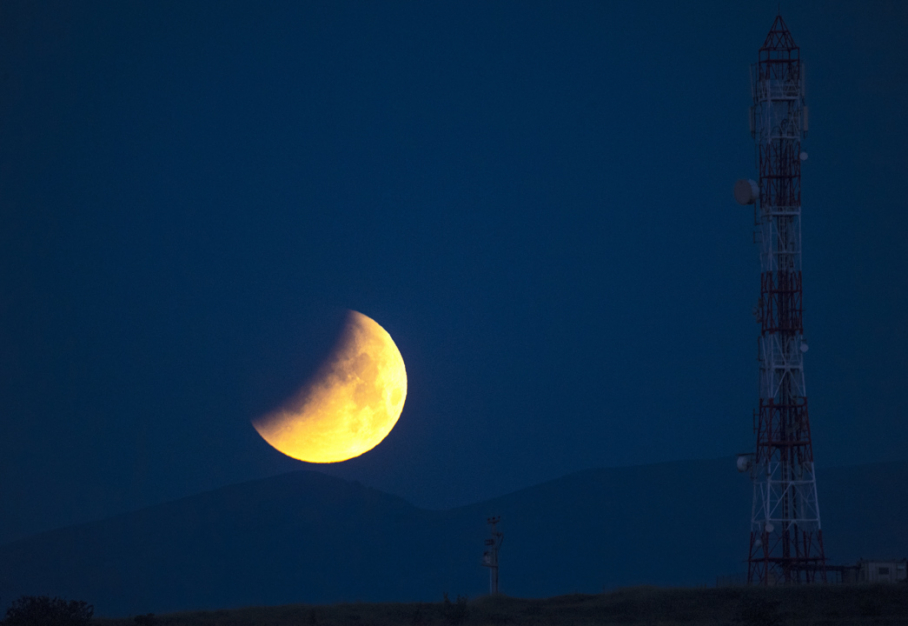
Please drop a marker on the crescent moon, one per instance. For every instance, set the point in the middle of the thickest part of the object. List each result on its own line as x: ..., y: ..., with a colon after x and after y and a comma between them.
x: 351, y: 403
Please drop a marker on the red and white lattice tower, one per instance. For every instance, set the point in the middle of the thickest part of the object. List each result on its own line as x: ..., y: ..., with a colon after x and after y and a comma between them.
x: 786, y: 540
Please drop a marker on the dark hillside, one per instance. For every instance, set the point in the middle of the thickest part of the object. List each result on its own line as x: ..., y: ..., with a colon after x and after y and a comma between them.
x: 804, y: 606
x: 306, y: 537
x: 255, y: 543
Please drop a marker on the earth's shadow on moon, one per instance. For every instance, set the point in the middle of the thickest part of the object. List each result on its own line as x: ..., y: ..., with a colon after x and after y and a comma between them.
x: 288, y: 353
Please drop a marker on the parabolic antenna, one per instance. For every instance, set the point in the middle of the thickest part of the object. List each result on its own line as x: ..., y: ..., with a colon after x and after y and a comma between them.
x: 744, y: 462
x: 746, y: 191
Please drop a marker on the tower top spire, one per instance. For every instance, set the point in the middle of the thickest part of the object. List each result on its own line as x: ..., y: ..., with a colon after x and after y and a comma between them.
x: 779, y: 37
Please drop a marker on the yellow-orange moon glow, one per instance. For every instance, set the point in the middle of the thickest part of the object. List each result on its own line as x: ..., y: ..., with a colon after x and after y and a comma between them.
x: 350, y: 404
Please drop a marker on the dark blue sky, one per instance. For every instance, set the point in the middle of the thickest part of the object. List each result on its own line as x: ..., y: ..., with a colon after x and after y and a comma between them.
x: 534, y: 199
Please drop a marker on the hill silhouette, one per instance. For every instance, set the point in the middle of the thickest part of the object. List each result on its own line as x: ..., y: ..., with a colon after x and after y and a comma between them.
x: 305, y: 537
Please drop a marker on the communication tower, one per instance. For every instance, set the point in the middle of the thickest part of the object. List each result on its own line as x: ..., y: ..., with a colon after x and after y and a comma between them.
x: 490, y: 556
x: 786, y: 539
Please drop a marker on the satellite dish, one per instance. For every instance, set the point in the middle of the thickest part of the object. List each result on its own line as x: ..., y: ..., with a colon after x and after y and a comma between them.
x: 743, y: 462
x: 746, y: 192
x: 803, y: 347
x: 758, y: 543
x: 803, y: 156
x: 769, y: 527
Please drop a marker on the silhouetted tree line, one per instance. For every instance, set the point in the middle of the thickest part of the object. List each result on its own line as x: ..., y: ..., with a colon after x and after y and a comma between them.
x: 45, y: 611
x: 455, y: 612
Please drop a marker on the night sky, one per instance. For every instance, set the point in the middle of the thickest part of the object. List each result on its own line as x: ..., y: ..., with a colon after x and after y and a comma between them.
x: 534, y: 199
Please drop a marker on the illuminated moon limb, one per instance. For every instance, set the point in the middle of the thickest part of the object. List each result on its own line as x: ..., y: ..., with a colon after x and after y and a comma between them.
x: 349, y: 406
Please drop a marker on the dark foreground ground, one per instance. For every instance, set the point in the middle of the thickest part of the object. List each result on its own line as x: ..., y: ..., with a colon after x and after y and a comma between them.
x: 813, y: 606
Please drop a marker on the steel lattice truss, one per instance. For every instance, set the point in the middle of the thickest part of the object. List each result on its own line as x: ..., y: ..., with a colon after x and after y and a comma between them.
x: 786, y: 540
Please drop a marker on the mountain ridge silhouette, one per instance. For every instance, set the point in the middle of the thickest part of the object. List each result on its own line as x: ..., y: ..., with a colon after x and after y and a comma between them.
x: 306, y: 537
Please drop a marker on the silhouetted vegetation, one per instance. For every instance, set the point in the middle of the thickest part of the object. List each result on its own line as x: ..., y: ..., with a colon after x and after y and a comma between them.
x: 145, y: 620
x: 820, y: 605
x: 45, y: 611
x: 418, y: 618
x: 759, y: 612
x: 455, y: 612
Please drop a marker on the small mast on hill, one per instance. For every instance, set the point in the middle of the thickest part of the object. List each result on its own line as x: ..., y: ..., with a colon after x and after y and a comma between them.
x: 490, y: 556
x: 786, y: 539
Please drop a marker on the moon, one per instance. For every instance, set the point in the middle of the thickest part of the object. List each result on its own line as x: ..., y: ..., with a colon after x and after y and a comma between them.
x: 351, y: 403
